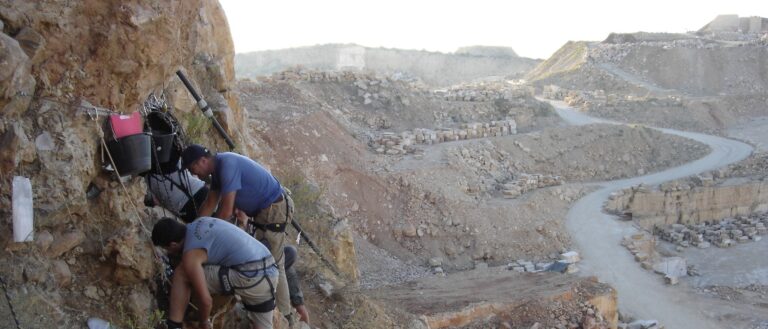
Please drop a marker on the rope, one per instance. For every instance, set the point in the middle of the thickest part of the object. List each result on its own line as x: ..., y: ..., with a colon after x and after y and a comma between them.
x: 10, y: 306
x: 125, y: 189
x: 136, y: 210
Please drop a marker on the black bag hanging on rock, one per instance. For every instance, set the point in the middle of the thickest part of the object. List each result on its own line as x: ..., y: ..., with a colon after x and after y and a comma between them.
x: 164, y: 147
x: 128, y: 146
x: 165, y: 131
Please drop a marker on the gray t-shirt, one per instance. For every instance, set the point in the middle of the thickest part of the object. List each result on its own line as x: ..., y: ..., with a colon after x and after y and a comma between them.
x: 226, y: 244
x: 168, y: 189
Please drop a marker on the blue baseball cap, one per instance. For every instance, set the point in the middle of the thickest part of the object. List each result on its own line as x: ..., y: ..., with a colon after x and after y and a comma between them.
x: 192, y: 153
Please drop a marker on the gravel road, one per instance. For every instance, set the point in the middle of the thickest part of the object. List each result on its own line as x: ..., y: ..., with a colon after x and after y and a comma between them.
x: 597, y: 236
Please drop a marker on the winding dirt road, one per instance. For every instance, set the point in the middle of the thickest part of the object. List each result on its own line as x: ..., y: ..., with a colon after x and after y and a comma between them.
x: 598, y: 235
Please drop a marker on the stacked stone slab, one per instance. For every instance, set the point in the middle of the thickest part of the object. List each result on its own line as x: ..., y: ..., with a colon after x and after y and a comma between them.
x: 642, y: 247
x: 484, y: 93
x: 725, y: 233
x: 528, y: 182
x: 402, y: 143
x: 567, y: 262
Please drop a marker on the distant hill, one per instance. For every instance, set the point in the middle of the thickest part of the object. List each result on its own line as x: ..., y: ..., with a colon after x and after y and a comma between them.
x: 727, y: 57
x: 434, y: 68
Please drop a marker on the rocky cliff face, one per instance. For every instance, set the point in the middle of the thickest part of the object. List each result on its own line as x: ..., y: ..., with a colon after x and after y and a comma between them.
x: 58, y: 60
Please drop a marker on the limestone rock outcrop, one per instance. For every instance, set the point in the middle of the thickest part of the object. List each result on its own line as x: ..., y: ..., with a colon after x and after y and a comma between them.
x: 59, y: 62
x: 682, y: 203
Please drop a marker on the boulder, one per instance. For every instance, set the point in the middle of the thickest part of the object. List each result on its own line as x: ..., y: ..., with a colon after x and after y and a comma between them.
x: 61, y: 273
x: 16, y: 82
x: 570, y: 257
x: 65, y: 242
x: 30, y: 41
x: 671, y: 266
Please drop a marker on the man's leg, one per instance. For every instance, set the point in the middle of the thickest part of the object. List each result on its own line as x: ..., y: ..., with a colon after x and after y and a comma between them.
x: 282, y: 295
x: 255, y: 296
x: 294, y: 285
x: 278, y: 213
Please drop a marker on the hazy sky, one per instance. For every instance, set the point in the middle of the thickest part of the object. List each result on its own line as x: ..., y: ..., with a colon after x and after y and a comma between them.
x: 534, y: 29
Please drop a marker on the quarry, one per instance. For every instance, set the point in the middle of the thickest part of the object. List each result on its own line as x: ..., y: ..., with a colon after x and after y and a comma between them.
x: 617, y: 184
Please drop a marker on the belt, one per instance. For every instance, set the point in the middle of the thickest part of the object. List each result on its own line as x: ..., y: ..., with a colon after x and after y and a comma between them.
x: 256, y: 265
x: 275, y: 227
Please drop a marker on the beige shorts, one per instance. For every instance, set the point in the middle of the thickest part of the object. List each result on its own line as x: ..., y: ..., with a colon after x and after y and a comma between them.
x: 255, y: 295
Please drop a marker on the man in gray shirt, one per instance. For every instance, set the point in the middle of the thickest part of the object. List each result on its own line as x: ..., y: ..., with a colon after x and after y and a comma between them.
x: 217, y: 257
x: 178, y: 192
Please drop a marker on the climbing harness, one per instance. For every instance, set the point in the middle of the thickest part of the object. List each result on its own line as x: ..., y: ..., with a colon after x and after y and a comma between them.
x: 245, y: 269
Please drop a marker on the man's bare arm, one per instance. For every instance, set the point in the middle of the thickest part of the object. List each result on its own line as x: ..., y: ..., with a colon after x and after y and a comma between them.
x: 226, y: 206
x: 209, y: 204
x: 193, y: 266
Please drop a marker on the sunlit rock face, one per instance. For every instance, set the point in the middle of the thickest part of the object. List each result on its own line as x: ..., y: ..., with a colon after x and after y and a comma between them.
x: 59, y: 59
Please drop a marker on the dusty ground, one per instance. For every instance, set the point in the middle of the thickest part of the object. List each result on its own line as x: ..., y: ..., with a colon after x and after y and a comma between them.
x: 550, y: 299
x: 446, y: 202
x: 753, y: 131
x: 644, y: 295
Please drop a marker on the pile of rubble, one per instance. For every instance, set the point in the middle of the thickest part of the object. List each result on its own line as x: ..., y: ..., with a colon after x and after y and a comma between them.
x: 484, y: 92
x: 723, y: 234
x: 566, y: 264
x: 643, y: 248
x: 364, y: 78
x: 371, y: 88
x: 402, y: 143
x: 523, y: 183
x: 615, y: 53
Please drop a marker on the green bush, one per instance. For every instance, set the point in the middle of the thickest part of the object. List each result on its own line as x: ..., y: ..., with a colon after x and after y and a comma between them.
x: 305, y: 195
x: 196, y: 127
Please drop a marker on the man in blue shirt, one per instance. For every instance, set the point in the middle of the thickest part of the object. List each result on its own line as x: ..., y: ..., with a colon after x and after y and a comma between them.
x: 220, y: 258
x: 237, y: 182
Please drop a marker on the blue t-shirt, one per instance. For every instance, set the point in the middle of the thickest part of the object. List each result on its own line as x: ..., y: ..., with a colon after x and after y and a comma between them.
x: 226, y: 244
x: 256, y: 187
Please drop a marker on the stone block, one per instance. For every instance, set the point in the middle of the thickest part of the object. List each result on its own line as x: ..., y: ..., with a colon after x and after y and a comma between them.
x: 671, y: 280
x: 530, y: 268
x: 671, y: 266
x: 435, y: 261
x: 570, y: 257
x: 641, y: 257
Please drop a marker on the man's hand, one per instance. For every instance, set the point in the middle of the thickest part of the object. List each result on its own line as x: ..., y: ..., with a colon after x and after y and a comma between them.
x: 241, y: 219
x: 226, y: 206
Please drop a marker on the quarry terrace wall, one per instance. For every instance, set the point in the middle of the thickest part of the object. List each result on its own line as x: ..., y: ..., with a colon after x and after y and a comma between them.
x: 676, y: 204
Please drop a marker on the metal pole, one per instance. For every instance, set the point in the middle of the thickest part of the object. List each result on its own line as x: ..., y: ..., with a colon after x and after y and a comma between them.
x: 314, y: 247
x: 206, y: 109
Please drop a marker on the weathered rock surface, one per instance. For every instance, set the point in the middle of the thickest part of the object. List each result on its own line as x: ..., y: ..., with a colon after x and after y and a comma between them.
x: 690, y: 203
x: 60, y: 60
